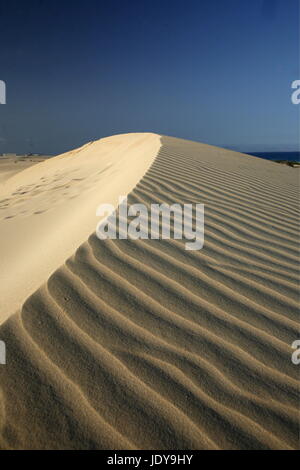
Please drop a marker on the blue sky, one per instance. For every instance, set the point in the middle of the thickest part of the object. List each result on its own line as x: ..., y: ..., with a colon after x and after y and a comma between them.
x: 219, y: 72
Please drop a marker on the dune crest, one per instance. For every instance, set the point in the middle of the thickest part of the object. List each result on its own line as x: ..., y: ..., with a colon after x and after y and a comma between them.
x: 49, y: 209
x: 144, y: 345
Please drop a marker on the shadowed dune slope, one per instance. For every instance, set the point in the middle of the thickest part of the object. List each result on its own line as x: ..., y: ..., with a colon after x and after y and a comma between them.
x: 144, y: 345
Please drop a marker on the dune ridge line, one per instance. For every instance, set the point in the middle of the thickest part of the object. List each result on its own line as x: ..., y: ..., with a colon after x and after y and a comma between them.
x: 140, y: 344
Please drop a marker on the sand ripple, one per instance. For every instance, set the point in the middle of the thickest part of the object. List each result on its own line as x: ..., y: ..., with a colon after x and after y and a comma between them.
x: 144, y: 345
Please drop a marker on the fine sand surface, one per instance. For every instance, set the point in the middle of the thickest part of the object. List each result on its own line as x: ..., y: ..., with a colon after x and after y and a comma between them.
x: 49, y: 209
x: 142, y: 344
x: 11, y: 165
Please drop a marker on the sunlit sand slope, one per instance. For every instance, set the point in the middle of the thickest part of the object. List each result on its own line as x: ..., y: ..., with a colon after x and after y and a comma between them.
x: 144, y: 345
x: 48, y: 210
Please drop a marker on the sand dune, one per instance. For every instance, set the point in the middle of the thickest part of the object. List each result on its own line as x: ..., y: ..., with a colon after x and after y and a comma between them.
x: 48, y: 210
x: 11, y: 165
x: 142, y: 344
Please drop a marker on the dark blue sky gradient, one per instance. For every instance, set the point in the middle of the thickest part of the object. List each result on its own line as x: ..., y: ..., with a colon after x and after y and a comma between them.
x: 213, y: 71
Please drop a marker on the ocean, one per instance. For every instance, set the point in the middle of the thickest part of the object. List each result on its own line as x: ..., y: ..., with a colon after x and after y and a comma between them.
x: 287, y: 156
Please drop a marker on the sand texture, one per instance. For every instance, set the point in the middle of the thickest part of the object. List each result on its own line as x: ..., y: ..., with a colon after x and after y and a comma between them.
x: 124, y: 344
